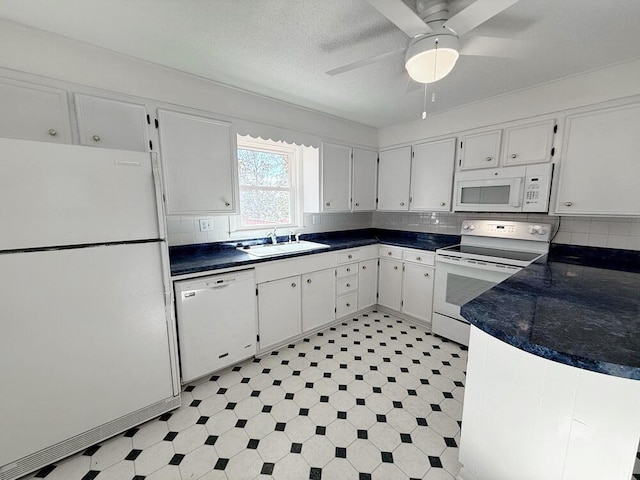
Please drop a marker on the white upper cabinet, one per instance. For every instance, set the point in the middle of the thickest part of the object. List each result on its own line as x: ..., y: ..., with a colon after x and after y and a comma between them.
x: 199, y: 161
x: 365, y: 163
x: 529, y: 143
x: 600, y: 164
x: 336, y: 177
x: 109, y: 123
x: 394, y: 179
x: 34, y: 112
x: 480, y: 150
x: 432, y: 175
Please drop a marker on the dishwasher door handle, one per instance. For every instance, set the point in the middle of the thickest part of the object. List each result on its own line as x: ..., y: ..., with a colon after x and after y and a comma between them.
x: 220, y: 283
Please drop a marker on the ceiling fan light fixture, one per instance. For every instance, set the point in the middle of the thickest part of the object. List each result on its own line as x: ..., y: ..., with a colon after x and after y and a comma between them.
x: 432, y: 57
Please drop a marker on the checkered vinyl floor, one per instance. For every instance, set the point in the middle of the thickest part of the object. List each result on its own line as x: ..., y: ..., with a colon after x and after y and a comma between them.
x: 372, y: 398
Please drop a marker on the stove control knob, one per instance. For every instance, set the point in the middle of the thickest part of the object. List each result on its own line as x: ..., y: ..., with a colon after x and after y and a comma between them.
x: 532, y: 229
x: 542, y: 231
x: 465, y: 227
x: 472, y: 227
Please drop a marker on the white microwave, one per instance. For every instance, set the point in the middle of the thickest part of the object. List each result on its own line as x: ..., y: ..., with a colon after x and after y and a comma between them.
x: 509, y: 189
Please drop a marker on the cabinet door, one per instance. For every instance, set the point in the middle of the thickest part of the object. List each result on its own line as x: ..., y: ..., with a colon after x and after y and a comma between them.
x: 432, y: 175
x: 600, y: 165
x: 365, y: 163
x: 367, y: 283
x: 394, y: 175
x: 318, y: 298
x: 278, y: 311
x: 480, y: 150
x: 199, y: 161
x: 336, y: 177
x: 417, y: 291
x: 107, y: 123
x: 390, y: 284
x: 528, y: 143
x: 34, y: 112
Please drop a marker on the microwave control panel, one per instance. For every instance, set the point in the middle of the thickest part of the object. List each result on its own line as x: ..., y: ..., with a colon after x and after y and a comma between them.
x: 536, y: 191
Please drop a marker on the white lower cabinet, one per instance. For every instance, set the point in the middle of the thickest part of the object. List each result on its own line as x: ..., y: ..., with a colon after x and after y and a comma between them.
x: 279, y: 311
x: 406, y: 286
x: 390, y: 283
x: 318, y: 298
x: 367, y: 283
x: 417, y: 291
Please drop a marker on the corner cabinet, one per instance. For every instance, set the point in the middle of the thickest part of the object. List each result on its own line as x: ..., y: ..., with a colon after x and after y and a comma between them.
x: 600, y: 164
x: 394, y: 179
x: 199, y: 164
x: 432, y: 175
x: 109, y: 123
x: 34, y: 112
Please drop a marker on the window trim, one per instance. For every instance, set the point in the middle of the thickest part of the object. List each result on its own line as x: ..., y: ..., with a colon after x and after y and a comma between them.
x: 294, y: 152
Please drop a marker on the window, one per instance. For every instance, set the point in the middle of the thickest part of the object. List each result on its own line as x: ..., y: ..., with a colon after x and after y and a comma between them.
x: 267, y: 174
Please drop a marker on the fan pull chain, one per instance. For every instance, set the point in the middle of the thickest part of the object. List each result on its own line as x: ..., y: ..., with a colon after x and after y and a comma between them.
x: 424, y: 107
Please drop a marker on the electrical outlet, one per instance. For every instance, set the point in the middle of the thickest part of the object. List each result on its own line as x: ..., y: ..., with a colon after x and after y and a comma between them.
x: 206, y: 225
x: 315, y: 219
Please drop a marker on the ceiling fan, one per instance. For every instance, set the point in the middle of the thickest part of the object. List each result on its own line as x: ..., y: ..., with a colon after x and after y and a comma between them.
x: 436, y: 39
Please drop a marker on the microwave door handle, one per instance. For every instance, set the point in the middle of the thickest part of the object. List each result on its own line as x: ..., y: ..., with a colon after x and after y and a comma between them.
x: 516, y: 198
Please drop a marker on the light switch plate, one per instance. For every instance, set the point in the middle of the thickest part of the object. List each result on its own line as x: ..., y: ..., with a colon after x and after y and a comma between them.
x: 206, y: 225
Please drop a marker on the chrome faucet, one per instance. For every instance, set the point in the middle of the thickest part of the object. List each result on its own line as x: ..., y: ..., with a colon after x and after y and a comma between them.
x: 273, y: 237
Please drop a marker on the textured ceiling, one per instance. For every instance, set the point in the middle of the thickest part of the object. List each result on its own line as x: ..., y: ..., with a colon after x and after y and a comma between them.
x: 282, y: 48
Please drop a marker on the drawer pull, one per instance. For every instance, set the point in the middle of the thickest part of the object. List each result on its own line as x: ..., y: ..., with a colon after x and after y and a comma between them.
x: 349, y: 256
x: 348, y: 269
x: 348, y: 285
x: 348, y: 304
x: 364, y: 267
x: 419, y: 259
x: 389, y: 253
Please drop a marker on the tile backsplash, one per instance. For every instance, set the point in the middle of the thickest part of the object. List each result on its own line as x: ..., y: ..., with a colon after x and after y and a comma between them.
x: 607, y: 232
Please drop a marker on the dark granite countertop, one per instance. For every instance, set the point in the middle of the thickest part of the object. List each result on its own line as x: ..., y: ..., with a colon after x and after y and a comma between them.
x: 570, y: 310
x: 189, y: 259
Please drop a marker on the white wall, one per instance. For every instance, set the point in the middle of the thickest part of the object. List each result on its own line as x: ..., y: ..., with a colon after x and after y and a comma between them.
x: 614, y: 82
x: 41, y: 53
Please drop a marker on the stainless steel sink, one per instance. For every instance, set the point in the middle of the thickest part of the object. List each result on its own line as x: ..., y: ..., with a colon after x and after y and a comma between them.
x: 282, y: 248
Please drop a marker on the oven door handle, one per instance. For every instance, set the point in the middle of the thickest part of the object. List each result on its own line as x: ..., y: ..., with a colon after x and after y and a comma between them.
x: 480, y: 265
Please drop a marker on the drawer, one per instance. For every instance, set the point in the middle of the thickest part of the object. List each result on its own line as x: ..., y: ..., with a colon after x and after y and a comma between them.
x: 347, y: 284
x: 419, y: 256
x: 348, y: 256
x: 346, y: 270
x: 390, y: 252
x: 346, y: 304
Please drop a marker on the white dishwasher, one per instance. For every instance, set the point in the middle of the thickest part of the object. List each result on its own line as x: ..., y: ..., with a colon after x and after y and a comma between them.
x: 217, y: 318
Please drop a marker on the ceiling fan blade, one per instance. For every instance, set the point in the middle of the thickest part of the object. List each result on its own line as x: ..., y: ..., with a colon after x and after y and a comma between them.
x: 402, y: 16
x: 478, y: 12
x: 366, y: 61
x: 494, y: 47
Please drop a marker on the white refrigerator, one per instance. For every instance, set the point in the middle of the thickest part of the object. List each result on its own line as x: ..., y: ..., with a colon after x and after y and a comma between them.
x: 87, y: 344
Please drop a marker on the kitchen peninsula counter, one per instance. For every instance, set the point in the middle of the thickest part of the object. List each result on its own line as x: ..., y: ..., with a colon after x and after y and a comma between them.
x: 552, y: 388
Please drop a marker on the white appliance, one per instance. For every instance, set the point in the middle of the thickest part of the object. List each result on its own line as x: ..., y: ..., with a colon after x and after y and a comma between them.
x: 86, y: 345
x: 217, y: 318
x: 507, y: 189
x: 490, y: 252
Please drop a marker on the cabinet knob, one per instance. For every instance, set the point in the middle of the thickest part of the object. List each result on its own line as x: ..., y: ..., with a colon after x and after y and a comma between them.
x: 419, y: 259
x: 364, y: 267
x: 348, y: 304
x: 227, y: 204
x: 348, y: 269
x: 513, y: 155
x: 308, y: 280
x: 349, y: 256
x: 357, y: 204
x: 293, y: 284
x: 402, y: 204
x: 348, y: 285
x: 426, y: 274
x: 53, y: 132
x: 395, y: 267
x: 488, y: 159
x: 389, y: 253
x: 568, y: 204
x: 328, y: 204
x: 96, y: 138
x: 442, y: 204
